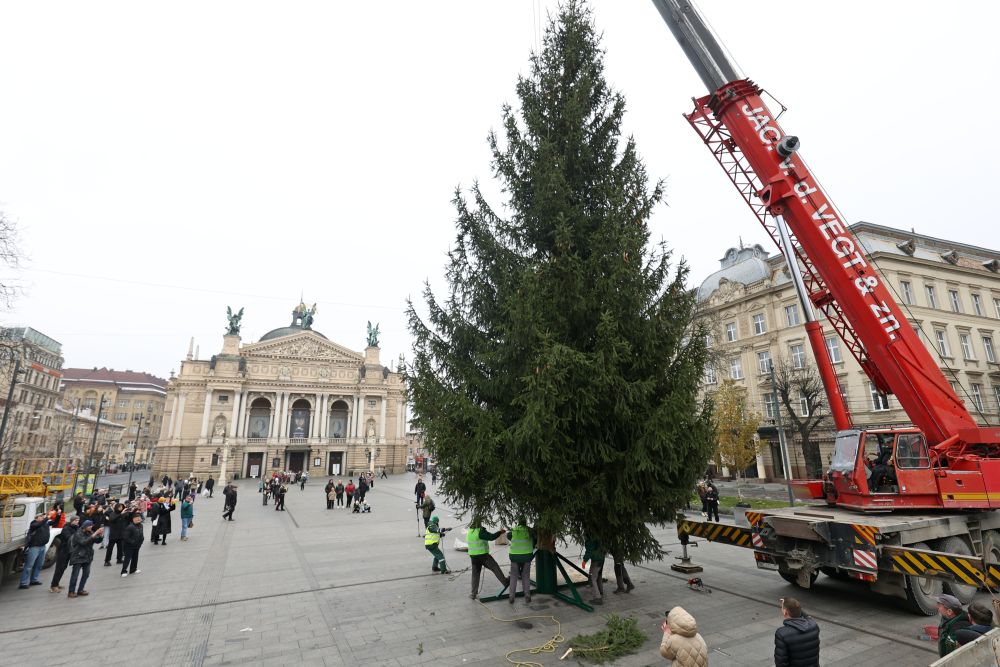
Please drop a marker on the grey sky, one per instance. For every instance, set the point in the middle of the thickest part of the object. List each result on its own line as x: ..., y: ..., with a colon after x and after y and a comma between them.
x: 167, y: 160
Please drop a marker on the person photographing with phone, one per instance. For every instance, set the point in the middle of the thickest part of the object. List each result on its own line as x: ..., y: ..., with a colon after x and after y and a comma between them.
x: 681, y: 643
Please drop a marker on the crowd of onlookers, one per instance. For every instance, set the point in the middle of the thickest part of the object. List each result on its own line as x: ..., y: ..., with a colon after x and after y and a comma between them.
x: 109, y: 522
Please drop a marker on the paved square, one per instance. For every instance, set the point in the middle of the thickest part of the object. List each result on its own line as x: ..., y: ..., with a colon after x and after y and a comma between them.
x: 327, y: 587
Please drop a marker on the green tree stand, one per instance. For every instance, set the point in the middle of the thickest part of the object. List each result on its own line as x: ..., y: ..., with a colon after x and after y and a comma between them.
x: 546, y: 582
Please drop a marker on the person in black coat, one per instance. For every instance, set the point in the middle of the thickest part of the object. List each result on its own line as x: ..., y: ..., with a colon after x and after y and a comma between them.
x: 230, y: 505
x: 118, y: 518
x: 279, y: 503
x: 62, y: 542
x: 796, y: 642
x: 133, y: 491
x: 163, y: 510
x: 132, y: 538
x: 210, y: 484
x: 712, y: 501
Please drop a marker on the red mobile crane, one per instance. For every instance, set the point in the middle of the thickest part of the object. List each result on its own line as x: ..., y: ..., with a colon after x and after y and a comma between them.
x: 946, y: 461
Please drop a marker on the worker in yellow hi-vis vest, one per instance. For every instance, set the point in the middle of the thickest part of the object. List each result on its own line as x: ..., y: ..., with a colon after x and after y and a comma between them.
x: 478, y: 539
x: 522, y: 550
x: 432, y: 542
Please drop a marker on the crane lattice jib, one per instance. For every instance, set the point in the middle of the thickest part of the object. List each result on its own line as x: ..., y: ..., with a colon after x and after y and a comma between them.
x: 764, y: 165
x: 744, y: 137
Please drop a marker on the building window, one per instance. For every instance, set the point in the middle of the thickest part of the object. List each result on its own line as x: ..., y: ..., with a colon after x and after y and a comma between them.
x: 770, y: 408
x: 731, y: 332
x: 792, y: 314
x: 371, y: 403
x: 215, y: 460
x: 977, y: 305
x: 907, y: 289
x: 88, y: 403
x: 709, y: 341
x: 880, y: 402
x: 736, y: 368
x: 966, y: 343
x: 996, y: 307
x: 759, y: 326
x: 710, y: 375
x: 833, y: 350
x: 988, y: 346
x: 942, y: 343
x: 996, y: 394
x: 764, y: 362
x: 123, y: 403
x: 956, y: 305
x: 798, y: 356
x: 977, y: 395
x: 931, y: 296
x: 224, y: 398
x: 121, y: 416
x: 803, y: 404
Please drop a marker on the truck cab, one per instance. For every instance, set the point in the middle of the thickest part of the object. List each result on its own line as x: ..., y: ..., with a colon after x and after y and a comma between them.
x: 17, y: 514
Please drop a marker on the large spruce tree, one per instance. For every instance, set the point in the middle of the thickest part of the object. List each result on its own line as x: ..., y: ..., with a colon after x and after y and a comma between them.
x: 559, y: 377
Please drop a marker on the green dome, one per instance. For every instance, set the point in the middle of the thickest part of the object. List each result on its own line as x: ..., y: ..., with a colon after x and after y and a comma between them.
x: 287, y: 331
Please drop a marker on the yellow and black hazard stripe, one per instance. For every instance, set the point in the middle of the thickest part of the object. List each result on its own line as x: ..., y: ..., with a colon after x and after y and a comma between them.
x: 864, y: 534
x: 716, y: 532
x: 963, y: 569
x: 755, y: 518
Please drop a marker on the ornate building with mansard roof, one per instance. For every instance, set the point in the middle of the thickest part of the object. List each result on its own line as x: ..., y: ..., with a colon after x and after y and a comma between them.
x: 292, y: 401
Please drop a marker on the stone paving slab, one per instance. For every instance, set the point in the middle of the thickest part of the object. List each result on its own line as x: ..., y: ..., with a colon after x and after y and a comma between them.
x: 312, y: 586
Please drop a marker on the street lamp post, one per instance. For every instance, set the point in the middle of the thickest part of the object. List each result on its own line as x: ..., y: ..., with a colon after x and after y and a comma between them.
x: 91, y: 468
x: 135, y: 450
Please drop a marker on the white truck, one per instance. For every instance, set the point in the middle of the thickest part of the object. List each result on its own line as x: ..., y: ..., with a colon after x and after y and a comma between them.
x: 17, y: 514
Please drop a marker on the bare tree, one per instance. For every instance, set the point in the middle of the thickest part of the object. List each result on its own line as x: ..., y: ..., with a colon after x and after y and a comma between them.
x: 10, y: 256
x: 803, y: 397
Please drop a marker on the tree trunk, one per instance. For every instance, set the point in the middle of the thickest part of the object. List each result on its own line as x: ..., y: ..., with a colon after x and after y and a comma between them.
x: 812, y: 456
x: 546, y: 580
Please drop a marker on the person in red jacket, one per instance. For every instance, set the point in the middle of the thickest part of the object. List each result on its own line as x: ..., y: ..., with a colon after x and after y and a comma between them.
x: 349, y: 490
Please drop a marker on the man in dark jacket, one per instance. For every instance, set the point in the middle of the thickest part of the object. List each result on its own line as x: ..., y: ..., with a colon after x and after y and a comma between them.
x: 118, y: 519
x: 420, y: 489
x: 982, y: 622
x: 796, y: 642
x: 35, y: 546
x: 210, y: 485
x: 81, y: 556
x: 230, y: 504
x: 279, y: 503
x: 62, y: 545
x: 132, y: 538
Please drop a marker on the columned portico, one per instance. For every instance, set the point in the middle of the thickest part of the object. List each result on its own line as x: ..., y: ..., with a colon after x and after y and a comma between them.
x: 289, y: 400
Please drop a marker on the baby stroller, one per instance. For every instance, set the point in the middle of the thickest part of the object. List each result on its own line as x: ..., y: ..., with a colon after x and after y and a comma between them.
x: 362, y: 508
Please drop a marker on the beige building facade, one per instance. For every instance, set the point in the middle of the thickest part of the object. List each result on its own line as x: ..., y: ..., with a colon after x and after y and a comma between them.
x: 74, y: 438
x: 133, y: 399
x: 949, y: 291
x: 29, y: 431
x: 292, y: 401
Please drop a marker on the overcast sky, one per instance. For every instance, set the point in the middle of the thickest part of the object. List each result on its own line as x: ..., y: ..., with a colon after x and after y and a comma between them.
x: 165, y: 160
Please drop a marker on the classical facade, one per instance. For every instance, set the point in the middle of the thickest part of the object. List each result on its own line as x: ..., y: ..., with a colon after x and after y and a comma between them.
x: 74, y: 439
x: 293, y: 400
x: 134, y: 399
x: 949, y: 291
x: 31, y: 412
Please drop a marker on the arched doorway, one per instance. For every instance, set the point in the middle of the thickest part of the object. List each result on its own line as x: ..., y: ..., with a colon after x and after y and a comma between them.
x: 258, y: 430
x: 298, y: 426
x: 259, y: 425
x: 337, y: 424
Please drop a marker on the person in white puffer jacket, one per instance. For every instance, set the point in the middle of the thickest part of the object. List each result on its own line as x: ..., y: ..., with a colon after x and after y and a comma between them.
x: 681, y: 642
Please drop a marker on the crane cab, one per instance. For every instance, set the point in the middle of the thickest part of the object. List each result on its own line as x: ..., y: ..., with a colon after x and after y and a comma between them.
x: 882, y: 470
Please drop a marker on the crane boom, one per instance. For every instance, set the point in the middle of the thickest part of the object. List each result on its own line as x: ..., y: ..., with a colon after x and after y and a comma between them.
x: 763, y: 162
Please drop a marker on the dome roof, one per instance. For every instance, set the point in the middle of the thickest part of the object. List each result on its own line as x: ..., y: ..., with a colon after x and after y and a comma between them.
x: 747, y: 271
x: 287, y: 331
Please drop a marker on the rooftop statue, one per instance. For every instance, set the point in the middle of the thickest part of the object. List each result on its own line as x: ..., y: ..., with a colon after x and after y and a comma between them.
x: 234, y: 321
x: 303, y: 315
x: 372, y: 335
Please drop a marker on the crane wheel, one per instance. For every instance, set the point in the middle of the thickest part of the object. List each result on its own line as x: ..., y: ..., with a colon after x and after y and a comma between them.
x: 922, y: 592
x: 956, y: 545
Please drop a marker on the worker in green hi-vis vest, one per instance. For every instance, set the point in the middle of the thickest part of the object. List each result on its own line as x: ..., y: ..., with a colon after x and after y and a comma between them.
x: 522, y: 550
x: 479, y: 539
